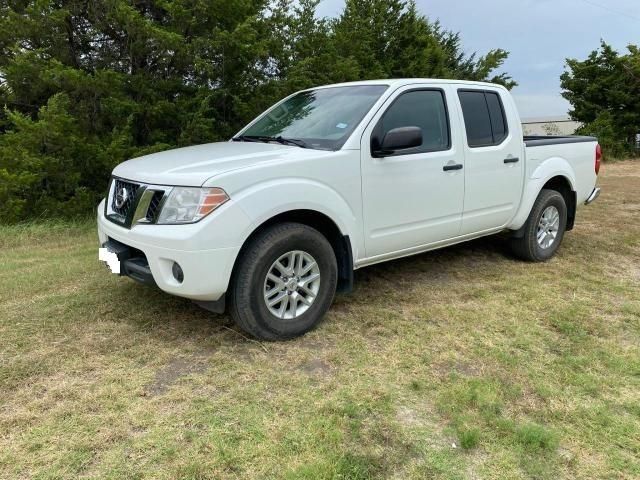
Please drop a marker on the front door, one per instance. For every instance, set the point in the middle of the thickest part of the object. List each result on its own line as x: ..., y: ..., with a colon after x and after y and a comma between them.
x: 414, y: 197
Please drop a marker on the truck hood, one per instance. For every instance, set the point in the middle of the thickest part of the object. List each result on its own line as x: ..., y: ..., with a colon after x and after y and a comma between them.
x: 192, y: 166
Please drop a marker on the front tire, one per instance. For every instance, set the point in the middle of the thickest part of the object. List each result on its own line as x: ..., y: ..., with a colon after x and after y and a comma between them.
x: 284, y: 283
x: 544, y: 230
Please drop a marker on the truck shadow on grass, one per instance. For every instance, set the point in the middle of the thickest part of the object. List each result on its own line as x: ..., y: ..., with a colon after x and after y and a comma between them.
x: 194, y: 340
x: 184, y: 319
x: 180, y: 325
x: 476, y: 253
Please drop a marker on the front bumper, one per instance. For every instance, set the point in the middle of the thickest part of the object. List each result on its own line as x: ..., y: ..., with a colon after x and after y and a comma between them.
x: 149, y: 260
x: 130, y: 262
x: 594, y: 195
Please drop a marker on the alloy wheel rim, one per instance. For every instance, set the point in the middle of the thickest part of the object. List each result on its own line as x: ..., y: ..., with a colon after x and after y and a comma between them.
x: 548, y: 227
x: 291, y: 285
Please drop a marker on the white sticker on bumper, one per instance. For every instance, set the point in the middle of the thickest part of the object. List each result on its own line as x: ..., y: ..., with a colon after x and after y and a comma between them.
x: 110, y: 258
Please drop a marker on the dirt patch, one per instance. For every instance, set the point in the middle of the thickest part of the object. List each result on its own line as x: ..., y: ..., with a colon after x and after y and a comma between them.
x: 621, y: 268
x: 314, y: 344
x: 446, y: 368
x: 634, y: 207
x: 423, y: 416
x: 408, y: 417
x: 178, y: 368
x: 316, y: 367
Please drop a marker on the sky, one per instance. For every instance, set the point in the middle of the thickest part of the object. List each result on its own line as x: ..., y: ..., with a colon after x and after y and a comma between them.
x: 539, y: 34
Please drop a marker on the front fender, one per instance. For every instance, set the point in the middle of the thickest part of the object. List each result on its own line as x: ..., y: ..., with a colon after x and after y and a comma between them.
x: 265, y: 200
x: 541, y: 174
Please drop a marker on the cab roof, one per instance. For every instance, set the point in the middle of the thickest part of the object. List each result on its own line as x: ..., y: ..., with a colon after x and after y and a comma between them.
x: 401, y: 82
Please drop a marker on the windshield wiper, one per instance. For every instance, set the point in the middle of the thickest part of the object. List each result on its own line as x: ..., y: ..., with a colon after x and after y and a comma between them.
x: 251, y: 138
x: 266, y: 139
x: 292, y: 141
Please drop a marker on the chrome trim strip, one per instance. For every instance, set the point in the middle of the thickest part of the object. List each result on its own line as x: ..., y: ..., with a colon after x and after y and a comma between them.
x: 140, y: 213
x: 140, y: 208
x: 594, y: 195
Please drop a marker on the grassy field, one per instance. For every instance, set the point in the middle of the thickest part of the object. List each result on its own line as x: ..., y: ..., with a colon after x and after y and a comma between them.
x: 462, y: 363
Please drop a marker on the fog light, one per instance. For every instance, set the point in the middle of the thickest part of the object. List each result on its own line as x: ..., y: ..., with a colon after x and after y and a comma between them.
x: 177, y: 272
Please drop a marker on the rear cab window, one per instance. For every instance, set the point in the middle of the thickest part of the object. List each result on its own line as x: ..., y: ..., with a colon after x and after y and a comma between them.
x: 484, y: 117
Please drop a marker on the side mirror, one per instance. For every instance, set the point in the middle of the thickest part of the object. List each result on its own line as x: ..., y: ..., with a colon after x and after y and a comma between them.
x: 401, y: 138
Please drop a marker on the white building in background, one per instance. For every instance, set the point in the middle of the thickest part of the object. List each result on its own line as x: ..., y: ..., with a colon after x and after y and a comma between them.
x: 558, y: 125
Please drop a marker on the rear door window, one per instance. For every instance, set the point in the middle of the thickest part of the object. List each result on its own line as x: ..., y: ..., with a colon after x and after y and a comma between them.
x: 484, y: 118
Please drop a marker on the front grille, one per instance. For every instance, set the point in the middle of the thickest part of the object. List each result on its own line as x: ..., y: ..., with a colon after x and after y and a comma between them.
x: 154, y: 207
x: 127, y: 197
x: 124, y: 195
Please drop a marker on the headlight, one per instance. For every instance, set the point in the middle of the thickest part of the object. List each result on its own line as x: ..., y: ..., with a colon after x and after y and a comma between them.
x: 190, y: 204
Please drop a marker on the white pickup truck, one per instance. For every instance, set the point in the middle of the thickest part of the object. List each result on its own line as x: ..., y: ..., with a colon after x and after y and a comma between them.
x: 335, y: 178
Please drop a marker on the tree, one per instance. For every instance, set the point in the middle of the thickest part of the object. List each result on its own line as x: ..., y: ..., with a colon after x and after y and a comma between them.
x: 86, y: 84
x: 135, y: 77
x: 604, y: 91
x: 390, y: 38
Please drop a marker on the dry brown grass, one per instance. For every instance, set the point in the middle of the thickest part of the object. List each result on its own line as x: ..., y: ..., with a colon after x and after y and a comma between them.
x: 535, y: 369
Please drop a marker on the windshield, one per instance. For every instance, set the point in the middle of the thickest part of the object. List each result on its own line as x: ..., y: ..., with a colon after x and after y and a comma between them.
x: 321, y: 119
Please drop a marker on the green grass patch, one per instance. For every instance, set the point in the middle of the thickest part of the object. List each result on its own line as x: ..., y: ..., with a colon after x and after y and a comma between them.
x: 469, y: 438
x: 536, y: 437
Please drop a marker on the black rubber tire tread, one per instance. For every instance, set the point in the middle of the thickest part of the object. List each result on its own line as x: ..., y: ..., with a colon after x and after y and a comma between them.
x: 527, y: 247
x: 246, y: 304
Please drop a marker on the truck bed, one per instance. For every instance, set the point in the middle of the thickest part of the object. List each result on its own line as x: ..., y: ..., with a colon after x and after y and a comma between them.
x: 544, y: 140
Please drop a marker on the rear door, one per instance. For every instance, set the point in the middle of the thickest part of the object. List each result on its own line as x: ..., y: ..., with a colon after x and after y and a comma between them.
x: 494, y: 163
x: 412, y: 197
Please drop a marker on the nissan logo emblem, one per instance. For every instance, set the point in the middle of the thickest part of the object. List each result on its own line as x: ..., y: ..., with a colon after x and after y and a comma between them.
x: 121, y: 197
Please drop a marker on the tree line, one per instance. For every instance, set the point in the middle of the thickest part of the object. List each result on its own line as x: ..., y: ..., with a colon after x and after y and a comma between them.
x: 87, y: 84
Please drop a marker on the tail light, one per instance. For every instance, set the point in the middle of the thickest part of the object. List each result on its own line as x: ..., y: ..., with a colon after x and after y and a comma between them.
x: 598, y: 158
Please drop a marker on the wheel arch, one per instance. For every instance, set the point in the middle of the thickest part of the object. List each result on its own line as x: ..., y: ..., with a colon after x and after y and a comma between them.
x: 555, y: 173
x: 559, y: 183
x: 562, y: 185
x: 340, y: 243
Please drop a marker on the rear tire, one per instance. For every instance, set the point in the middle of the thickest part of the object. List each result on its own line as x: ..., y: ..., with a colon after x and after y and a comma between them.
x: 544, y: 230
x: 284, y: 283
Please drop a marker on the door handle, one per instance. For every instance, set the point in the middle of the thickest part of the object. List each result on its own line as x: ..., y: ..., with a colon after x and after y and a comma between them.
x: 511, y: 160
x: 455, y: 166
